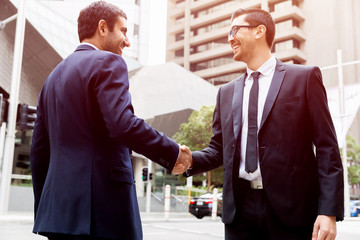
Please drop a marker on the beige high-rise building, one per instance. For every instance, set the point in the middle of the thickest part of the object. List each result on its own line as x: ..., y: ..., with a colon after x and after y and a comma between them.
x: 307, y: 32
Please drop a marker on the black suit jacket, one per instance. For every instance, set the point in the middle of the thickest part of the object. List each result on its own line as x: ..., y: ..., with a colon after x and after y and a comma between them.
x: 80, y: 158
x: 300, y: 181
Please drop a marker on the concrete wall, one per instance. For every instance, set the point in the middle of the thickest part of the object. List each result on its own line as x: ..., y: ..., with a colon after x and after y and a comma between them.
x: 21, y: 199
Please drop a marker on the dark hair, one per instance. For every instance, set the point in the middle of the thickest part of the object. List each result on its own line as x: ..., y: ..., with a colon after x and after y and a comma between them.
x: 90, y: 16
x: 256, y: 16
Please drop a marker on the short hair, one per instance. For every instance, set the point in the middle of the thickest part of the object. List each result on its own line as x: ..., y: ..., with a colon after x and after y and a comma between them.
x: 256, y: 16
x: 90, y: 16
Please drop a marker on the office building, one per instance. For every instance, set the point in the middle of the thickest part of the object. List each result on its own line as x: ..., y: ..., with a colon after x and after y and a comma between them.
x: 307, y: 32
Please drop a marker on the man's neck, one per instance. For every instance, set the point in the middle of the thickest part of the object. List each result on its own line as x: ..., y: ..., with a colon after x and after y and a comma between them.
x: 258, y: 60
x: 92, y: 42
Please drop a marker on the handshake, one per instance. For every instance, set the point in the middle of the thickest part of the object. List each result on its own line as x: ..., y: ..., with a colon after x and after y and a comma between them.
x: 184, y: 161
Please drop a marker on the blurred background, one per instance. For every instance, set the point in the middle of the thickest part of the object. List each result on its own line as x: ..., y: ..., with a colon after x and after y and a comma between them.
x: 179, y: 57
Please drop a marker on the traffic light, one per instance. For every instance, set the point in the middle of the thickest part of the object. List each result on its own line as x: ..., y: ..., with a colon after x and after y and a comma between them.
x: 4, y: 108
x: 150, y: 176
x: 26, y: 116
x: 145, y: 174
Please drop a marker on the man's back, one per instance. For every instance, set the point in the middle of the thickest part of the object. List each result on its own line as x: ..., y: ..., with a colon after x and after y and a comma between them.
x: 90, y: 175
x: 84, y: 131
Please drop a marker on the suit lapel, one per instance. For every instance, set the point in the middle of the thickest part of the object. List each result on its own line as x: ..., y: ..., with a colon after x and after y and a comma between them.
x: 237, y: 103
x: 273, y: 90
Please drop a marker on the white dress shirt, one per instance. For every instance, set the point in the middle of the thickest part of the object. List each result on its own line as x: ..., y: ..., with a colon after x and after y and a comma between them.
x: 267, y: 72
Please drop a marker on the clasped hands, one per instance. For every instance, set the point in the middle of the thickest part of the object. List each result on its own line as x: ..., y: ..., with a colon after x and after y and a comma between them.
x: 184, y: 161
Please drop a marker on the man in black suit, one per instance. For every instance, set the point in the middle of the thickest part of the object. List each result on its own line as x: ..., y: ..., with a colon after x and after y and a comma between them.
x: 274, y: 135
x: 80, y: 154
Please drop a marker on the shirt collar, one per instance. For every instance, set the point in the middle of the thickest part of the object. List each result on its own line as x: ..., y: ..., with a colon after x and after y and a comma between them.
x: 266, y: 69
x: 92, y: 45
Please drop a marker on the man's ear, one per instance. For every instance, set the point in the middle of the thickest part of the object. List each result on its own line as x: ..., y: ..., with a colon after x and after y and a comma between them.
x: 260, y: 32
x: 102, y: 28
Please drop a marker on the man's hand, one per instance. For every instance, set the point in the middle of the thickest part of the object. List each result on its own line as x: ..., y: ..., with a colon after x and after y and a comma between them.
x: 184, y: 161
x: 324, y: 228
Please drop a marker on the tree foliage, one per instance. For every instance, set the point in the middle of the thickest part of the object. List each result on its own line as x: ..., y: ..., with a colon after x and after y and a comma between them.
x: 354, y: 174
x: 353, y: 154
x: 196, y: 134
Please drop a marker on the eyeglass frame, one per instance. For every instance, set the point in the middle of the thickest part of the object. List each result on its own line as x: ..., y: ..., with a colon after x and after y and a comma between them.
x: 233, y: 32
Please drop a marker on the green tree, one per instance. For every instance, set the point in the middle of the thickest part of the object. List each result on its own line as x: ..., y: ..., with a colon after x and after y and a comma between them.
x: 353, y: 154
x: 196, y: 134
x: 354, y: 174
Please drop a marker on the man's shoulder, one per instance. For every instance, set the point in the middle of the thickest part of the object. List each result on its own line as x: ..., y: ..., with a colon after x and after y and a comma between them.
x: 108, y: 55
x: 298, y: 71
x: 90, y: 52
x: 298, y: 67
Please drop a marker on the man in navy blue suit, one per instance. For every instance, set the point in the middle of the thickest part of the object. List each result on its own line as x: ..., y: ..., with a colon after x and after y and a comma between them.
x: 274, y: 136
x: 84, y: 133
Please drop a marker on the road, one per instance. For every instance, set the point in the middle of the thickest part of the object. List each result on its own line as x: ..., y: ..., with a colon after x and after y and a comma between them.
x: 184, y: 228
x: 18, y: 226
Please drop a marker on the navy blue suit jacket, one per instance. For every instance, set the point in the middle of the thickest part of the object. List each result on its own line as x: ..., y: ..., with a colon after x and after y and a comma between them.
x: 80, y: 154
x: 299, y: 156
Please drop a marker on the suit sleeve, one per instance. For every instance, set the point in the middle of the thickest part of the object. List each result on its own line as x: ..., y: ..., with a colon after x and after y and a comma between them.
x: 211, y: 157
x: 111, y: 87
x: 330, y: 171
x: 39, y: 158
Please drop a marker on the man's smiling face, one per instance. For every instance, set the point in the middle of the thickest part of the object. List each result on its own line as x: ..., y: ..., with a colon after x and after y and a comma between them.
x: 243, y: 41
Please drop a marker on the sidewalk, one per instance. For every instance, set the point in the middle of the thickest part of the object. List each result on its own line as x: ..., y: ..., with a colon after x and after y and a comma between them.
x: 18, y: 225
x: 28, y: 217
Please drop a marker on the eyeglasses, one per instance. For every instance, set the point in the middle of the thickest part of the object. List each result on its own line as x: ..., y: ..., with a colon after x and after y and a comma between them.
x: 236, y: 28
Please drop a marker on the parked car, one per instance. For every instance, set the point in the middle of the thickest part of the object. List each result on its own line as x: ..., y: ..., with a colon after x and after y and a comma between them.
x: 354, y: 208
x: 202, y: 206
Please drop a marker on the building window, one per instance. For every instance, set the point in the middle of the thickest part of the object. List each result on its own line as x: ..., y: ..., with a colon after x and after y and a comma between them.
x: 212, y: 63
x: 223, y: 60
x: 179, y: 37
x: 286, y: 45
x: 283, y: 26
x: 221, y: 42
x: 212, y: 27
x: 180, y: 20
x: 283, y: 5
x: 198, y: 66
x: 218, y: 80
x: 180, y: 4
x: 283, y: 46
x: 179, y: 53
x: 22, y: 156
x: 286, y: 25
x: 217, y: 8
